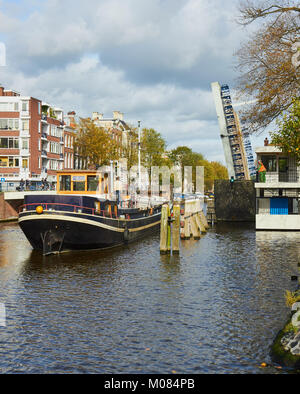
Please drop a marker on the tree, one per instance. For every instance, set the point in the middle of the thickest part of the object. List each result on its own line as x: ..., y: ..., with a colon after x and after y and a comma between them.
x: 184, y: 156
x: 213, y: 170
x: 220, y: 171
x: 95, y: 143
x: 153, y: 147
x: 130, y: 151
x: 287, y: 137
x: 253, y: 10
x: 268, y: 74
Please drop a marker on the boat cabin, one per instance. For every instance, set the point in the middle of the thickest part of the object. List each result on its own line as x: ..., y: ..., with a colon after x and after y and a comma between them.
x: 86, y: 192
x: 83, y: 182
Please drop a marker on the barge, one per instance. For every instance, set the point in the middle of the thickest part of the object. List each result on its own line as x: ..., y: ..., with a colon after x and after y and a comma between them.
x: 79, y: 217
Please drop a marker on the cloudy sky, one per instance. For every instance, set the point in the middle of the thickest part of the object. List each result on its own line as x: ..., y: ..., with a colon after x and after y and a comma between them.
x: 153, y: 60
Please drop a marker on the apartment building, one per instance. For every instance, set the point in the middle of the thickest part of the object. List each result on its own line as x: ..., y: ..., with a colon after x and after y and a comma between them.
x: 32, y: 139
x: 69, y: 139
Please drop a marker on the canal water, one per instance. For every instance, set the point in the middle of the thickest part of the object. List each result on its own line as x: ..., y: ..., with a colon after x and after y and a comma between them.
x: 216, y: 308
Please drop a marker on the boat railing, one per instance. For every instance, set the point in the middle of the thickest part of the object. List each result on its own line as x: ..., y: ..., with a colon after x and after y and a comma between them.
x: 67, y: 208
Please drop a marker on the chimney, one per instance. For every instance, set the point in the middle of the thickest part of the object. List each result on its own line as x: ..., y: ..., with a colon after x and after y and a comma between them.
x: 1, y: 90
x: 97, y: 116
x: 71, y: 118
x: 118, y: 115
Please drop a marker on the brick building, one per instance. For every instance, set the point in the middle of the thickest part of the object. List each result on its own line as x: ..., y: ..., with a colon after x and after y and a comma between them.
x: 69, y: 138
x: 34, y: 139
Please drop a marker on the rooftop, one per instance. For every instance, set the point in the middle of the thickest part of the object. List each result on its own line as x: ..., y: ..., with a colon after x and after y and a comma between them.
x: 268, y: 149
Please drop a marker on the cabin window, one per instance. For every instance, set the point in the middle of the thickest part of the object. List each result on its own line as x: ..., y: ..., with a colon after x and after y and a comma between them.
x: 92, y: 183
x: 65, y: 182
x: 78, y: 183
x: 97, y: 206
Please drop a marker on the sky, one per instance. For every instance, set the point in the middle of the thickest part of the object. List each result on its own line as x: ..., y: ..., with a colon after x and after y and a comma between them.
x: 153, y: 60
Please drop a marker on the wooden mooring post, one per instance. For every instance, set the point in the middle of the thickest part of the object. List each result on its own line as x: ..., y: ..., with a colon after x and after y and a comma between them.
x: 169, y: 229
x: 193, y: 221
x: 188, y: 220
x: 176, y: 228
x: 164, y: 231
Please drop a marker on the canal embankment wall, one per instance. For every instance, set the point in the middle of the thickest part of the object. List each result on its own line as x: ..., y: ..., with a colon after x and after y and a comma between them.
x: 234, y: 201
x: 9, y: 209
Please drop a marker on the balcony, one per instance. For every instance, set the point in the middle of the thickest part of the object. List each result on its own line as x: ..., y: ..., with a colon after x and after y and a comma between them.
x: 25, y: 114
x: 24, y: 152
x: 289, y: 178
x: 24, y: 133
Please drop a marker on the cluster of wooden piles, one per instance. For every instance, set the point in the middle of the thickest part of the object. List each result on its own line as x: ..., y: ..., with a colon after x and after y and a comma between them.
x: 185, y: 220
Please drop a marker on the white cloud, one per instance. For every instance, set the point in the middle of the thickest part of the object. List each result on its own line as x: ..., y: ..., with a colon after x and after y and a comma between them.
x: 154, y: 60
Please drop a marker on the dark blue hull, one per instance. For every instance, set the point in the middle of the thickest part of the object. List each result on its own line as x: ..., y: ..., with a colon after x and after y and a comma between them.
x: 56, y: 231
x: 57, y: 223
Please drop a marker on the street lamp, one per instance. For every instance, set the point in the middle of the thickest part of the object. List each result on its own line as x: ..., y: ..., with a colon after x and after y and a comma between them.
x: 139, y: 155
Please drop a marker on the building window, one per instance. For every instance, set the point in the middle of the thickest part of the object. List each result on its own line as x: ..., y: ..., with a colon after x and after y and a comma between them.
x: 25, y: 106
x: 283, y: 164
x: 54, y: 164
x: 55, y: 148
x: 3, y: 161
x: 9, y: 143
x: 9, y: 124
x: 9, y: 107
x: 25, y: 144
x: 25, y: 124
x: 9, y: 162
x: 270, y: 162
x: 25, y: 163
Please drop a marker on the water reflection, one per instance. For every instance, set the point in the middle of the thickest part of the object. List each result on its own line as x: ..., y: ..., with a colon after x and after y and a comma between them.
x: 215, y: 308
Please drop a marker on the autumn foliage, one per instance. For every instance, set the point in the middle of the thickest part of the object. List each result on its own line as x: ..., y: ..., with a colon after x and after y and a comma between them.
x: 267, y: 73
x: 287, y: 136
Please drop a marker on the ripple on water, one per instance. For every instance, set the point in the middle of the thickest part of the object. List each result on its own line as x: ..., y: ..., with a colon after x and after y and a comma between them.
x: 214, y: 309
